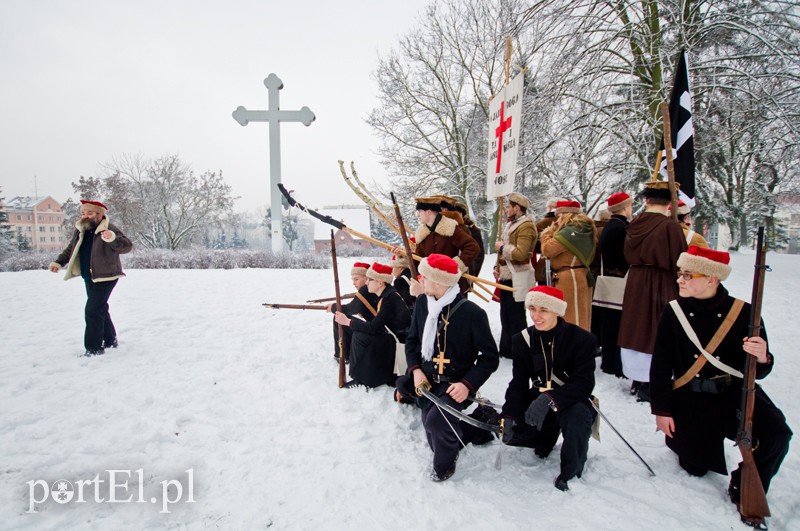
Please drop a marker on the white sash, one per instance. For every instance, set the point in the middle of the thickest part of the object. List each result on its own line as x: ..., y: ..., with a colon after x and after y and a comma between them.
x: 690, y: 333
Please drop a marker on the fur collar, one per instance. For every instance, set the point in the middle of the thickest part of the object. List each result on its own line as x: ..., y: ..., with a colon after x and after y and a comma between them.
x: 103, y: 225
x: 446, y: 227
x: 514, y: 225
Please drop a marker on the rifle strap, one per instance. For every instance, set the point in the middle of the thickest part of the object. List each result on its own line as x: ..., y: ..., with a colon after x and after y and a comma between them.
x: 363, y: 299
x: 720, y: 334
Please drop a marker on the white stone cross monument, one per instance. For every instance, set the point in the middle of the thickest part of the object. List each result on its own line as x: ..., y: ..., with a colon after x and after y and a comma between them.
x: 274, y: 116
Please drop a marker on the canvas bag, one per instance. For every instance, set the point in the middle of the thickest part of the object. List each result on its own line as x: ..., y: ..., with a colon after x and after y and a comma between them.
x: 522, y: 280
x: 609, y: 291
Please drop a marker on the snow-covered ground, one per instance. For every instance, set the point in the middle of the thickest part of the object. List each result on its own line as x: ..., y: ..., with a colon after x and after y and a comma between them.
x: 206, y: 380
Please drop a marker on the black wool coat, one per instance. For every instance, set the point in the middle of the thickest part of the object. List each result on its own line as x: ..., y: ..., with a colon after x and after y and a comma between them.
x: 372, y: 349
x: 701, y: 419
x: 403, y: 287
x: 612, y: 243
x: 468, y: 343
x: 572, y: 363
x: 356, y: 307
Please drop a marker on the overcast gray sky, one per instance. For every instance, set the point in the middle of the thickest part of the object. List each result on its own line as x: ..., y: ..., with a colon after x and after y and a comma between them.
x: 83, y: 81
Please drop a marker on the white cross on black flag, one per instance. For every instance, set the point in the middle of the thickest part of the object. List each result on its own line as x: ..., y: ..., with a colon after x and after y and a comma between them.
x: 682, y: 132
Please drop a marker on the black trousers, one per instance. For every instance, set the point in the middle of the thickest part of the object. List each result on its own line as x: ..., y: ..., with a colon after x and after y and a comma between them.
x: 442, y: 429
x: 99, y: 326
x: 574, y: 423
x: 611, y: 362
x: 512, y: 319
x: 771, y: 436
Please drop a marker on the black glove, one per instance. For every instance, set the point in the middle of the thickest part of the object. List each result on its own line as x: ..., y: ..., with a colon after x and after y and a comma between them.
x: 537, y: 411
x: 507, y: 429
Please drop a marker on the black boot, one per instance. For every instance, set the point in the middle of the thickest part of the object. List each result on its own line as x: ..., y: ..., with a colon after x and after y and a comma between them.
x: 561, y: 484
x: 448, y: 472
x: 643, y: 393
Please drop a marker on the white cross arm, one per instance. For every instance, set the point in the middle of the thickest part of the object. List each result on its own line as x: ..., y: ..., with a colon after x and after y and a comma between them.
x: 304, y: 115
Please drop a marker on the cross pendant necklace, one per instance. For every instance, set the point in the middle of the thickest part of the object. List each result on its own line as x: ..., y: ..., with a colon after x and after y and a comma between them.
x: 548, y: 371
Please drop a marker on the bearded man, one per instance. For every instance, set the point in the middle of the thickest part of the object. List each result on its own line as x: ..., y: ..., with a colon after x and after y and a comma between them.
x: 93, y: 254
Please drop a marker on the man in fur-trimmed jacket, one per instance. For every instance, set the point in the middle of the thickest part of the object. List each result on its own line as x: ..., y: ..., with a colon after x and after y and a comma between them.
x: 93, y: 253
x: 438, y: 234
x: 514, y: 269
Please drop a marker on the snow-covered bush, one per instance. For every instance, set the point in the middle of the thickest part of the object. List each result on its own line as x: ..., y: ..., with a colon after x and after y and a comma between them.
x: 195, y: 258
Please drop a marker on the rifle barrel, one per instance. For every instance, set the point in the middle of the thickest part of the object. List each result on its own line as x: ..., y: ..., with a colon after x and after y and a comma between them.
x: 294, y: 306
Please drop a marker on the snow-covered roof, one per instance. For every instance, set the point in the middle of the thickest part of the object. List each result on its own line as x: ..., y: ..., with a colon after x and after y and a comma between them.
x: 353, y: 218
x: 25, y: 202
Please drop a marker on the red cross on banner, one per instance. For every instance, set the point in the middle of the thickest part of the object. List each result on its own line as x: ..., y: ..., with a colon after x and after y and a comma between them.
x: 505, y: 124
x: 505, y: 119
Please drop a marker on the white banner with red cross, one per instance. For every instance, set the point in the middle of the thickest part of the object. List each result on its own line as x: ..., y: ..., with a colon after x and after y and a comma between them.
x: 505, y: 121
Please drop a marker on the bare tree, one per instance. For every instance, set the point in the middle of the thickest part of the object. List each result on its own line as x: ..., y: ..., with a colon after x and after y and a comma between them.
x: 596, y: 72
x: 161, y: 203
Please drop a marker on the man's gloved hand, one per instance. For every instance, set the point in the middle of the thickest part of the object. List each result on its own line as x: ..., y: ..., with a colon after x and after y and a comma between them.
x: 537, y: 411
x: 507, y: 429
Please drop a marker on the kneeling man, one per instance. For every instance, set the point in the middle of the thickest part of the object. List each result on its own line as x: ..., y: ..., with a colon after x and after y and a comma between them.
x: 551, y: 384
x: 696, y: 394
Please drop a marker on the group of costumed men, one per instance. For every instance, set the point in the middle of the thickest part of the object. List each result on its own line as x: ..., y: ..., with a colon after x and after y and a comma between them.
x: 423, y: 336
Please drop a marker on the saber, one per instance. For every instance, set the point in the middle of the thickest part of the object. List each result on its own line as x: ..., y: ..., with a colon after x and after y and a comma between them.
x: 424, y: 389
x: 605, y: 419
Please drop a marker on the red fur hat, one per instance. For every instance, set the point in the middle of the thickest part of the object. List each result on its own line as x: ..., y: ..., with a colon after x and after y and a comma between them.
x: 618, y: 201
x: 380, y: 272
x: 707, y: 262
x: 94, y: 206
x: 440, y: 269
x: 568, y: 207
x: 359, y: 268
x: 547, y: 297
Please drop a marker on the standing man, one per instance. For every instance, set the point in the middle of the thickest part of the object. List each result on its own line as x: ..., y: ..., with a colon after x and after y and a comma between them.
x: 696, y: 395
x: 685, y: 219
x: 551, y: 385
x: 513, y: 268
x: 548, y: 219
x: 612, y: 255
x: 450, y: 347
x: 653, y: 244
x: 438, y: 234
x: 475, y: 232
x: 93, y: 253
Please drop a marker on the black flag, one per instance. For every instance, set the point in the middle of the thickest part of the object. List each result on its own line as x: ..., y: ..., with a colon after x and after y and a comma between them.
x: 682, y: 133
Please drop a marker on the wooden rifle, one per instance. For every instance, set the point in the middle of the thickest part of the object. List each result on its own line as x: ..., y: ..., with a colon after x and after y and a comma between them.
x: 406, y: 243
x: 342, y: 346
x: 295, y: 306
x: 753, y: 499
x: 341, y: 226
x: 329, y: 299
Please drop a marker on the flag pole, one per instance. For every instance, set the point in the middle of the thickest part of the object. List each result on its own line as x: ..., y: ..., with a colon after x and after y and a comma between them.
x: 673, y: 192
x: 501, y: 199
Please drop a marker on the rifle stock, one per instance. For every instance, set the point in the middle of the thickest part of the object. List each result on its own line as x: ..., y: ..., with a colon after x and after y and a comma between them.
x: 339, y: 308
x: 753, y: 499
